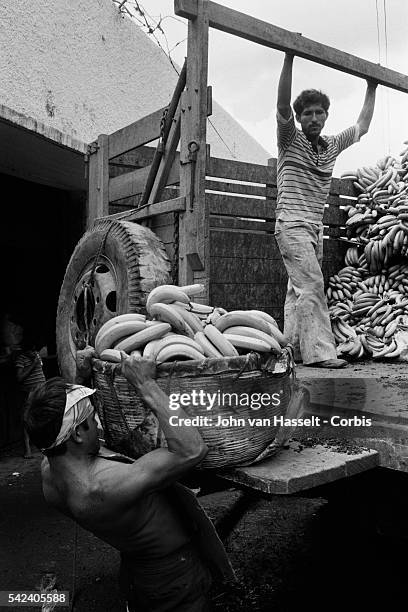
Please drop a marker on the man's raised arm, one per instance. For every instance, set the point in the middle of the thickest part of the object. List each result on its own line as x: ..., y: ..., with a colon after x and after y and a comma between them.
x: 285, y: 87
x: 367, y: 111
x: 185, y: 446
x: 182, y: 440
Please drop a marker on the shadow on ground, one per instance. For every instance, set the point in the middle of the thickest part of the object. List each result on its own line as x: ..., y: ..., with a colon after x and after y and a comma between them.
x: 289, y: 553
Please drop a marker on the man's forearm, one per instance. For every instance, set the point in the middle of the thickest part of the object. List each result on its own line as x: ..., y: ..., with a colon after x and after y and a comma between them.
x: 285, y: 87
x: 367, y: 111
x: 181, y: 439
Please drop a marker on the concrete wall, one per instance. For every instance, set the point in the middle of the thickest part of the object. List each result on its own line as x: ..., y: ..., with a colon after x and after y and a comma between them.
x: 79, y: 67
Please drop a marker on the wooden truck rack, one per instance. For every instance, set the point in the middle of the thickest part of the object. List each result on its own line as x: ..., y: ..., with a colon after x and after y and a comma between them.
x: 216, y: 216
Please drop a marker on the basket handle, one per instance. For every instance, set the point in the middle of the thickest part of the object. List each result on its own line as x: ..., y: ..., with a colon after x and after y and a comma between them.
x: 244, y: 367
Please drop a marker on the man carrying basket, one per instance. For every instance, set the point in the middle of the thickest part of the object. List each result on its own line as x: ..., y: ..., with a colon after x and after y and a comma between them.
x: 168, y: 545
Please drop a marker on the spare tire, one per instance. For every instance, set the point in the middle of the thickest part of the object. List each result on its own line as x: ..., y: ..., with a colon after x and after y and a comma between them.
x: 112, y: 270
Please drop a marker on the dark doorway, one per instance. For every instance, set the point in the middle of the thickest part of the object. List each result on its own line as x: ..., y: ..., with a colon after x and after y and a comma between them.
x: 40, y: 228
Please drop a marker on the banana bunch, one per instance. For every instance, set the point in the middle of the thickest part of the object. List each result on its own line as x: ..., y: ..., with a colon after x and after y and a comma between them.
x: 382, y: 185
x: 342, y: 285
x: 372, y: 316
x: 341, y: 309
x: 374, y: 275
x: 352, y: 257
x: 342, y: 331
x: 179, y: 328
x: 348, y: 341
x: 378, y: 349
x: 351, y: 348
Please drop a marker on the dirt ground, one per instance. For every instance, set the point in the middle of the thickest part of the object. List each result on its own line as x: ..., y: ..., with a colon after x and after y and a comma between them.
x: 341, y: 547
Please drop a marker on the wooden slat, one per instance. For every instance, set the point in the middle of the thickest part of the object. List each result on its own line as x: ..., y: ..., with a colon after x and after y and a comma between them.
x: 137, y: 157
x: 220, y: 296
x: 239, y: 207
x: 165, y: 232
x: 163, y: 220
x: 334, y: 232
x: 337, y: 201
x: 243, y: 245
x: 248, y: 295
x: 128, y: 184
x: 334, y: 216
x: 342, y: 187
x: 271, y: 192
x: 252, y: 190
x: 132, y: 183
x: 240, y: 171
x: 158, y: 208
x: 233, y: 270
x: 235, y: 224
x: 138, y: 133
x: 263, y: 33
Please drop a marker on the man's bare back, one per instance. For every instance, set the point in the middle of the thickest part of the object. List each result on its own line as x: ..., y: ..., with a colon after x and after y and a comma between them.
x: 136, y: 507
x: 148, y: 528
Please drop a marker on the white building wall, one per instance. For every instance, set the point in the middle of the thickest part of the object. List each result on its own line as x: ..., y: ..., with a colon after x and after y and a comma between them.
x: 80, y: 67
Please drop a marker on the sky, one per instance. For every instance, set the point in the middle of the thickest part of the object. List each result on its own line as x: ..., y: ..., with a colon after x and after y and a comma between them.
x: 244, y: 75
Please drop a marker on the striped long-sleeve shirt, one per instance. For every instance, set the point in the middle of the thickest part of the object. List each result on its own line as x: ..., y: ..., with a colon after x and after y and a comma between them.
x: 304, y: 174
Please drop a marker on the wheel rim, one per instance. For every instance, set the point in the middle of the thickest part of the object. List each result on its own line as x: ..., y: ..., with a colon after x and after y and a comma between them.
x: 95, y: 302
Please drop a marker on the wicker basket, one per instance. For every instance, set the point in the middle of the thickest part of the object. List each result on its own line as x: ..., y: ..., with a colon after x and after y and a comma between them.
x: 131, y: 428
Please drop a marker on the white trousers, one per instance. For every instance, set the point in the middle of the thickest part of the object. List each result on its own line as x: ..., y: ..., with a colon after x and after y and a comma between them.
x: 307, y: 322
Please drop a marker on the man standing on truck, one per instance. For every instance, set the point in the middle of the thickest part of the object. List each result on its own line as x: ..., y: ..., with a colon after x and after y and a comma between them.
x: 134, y: 505
x: 305, y: 166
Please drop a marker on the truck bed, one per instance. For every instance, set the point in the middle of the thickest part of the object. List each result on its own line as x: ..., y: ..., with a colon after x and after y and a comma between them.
x: 376, y: 391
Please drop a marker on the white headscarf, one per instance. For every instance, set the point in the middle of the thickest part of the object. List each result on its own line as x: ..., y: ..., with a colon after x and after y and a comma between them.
x: 77, y: 409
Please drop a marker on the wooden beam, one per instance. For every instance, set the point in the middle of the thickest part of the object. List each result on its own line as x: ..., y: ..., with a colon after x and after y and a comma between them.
x: 241, y: 171
x: 219, y: 204
x: 168, y: 122
x: 132, y: 183
x: 194, y: 223
x: 167, y: 160
x: 250, y: 190
x: 264, y: 33
x: 136, y: 134
x: 151, y: 210
x: 98, y: 180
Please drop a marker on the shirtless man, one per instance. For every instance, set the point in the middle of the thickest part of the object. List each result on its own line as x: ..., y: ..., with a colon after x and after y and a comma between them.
x: 130, y: 505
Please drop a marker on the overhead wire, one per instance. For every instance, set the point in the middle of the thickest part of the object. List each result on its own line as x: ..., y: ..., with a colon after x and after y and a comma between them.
x: 387, y: 96
x: 150, y: 28
x: 386, y: 108
x: 378, y: 32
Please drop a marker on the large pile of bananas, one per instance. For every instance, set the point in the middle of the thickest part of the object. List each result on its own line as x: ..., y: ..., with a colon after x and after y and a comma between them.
x: 368, y: 298
x: 180, y: 329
